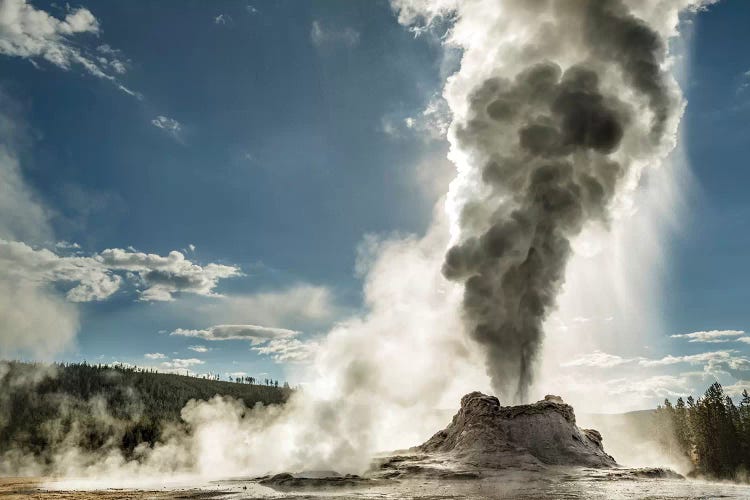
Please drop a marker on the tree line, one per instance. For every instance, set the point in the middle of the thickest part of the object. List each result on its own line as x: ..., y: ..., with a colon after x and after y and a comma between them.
x: 44, y: 406
x: 253, y: 380
x: 712, y: 432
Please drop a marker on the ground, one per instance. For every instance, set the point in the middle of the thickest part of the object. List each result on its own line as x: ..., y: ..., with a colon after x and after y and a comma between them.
x: 563, y: 483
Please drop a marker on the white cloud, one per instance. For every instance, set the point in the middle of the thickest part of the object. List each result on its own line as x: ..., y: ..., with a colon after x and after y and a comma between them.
x: 181, y: 364
x: 712, y: 336
x: 32, y: 34
x: 658, y: 386
x: 20, y: 261
x: 169, y: 125
x: 96, y: 277
x: 162, y: 276
x: 736, y: 389
x: 329, y: 36
x: 598, y: 359
x: 289, y: 350
x: 66, y: 245
x: 109, y: 57
x: 301, y: 306
x: 236, y: 374
x: 281, y: 344
x: 728, y: 356
x: 433, y: 121
x: 251, y: 10
x: 154, y: 355
x: 199, y: 348
x: 429, y: 124
x: 253, y: 333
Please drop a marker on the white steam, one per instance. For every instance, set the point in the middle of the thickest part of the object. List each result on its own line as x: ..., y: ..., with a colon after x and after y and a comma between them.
x: 378, y: 378
x: 33, y: 320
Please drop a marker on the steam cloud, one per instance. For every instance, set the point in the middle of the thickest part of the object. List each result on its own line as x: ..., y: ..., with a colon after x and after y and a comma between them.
x: 558, y: 122
x: 558, y: 107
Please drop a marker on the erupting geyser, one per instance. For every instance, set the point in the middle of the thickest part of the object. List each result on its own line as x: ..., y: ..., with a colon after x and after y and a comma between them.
x: 558, y: 107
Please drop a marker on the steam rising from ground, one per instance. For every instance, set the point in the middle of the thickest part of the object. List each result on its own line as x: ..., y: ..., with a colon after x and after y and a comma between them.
x: 559, y: 107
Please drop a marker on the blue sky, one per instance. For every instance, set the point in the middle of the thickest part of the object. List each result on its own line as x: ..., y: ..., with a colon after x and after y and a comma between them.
x: 710, y: 275
x: 270, y: 138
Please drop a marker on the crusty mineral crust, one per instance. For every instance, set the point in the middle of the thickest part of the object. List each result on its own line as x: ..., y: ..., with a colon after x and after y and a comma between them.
x: 488, y: 434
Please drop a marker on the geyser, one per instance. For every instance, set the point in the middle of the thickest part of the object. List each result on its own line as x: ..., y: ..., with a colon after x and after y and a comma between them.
x: 558, y: 107
x: 485, y: 436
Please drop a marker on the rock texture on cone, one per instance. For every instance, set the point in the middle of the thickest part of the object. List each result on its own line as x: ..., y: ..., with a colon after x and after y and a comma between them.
x: 490, y: 435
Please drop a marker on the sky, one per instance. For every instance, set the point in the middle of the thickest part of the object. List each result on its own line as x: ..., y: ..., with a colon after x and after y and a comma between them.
x: 194, y: 186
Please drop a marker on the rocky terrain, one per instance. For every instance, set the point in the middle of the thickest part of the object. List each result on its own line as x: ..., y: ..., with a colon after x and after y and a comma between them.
x: 486, y: 436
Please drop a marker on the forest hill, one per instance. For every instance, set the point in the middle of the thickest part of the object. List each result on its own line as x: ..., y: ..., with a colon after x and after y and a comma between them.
x: 712, y: 432
x: 43, y: 407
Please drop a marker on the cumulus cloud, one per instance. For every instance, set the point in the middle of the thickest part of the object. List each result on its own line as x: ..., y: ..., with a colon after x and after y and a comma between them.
x: 33, y: 34
x: 96, y: 277
x: 198, y: 348
x: 154, y: 355
x: 330, y: 36
x: 20, y: 261
x: 712, y: 336
x: 253, y: 333
x: 162, y: 276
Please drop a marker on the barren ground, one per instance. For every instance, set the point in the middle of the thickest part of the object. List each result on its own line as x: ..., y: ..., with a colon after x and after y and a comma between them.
x: 562, y: 484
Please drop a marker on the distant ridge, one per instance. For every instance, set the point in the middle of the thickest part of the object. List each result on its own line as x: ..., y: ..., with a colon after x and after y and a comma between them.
x: 43, y: 406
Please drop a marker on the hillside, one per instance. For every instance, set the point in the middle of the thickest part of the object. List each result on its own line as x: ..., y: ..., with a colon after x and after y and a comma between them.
x: 43, y: 407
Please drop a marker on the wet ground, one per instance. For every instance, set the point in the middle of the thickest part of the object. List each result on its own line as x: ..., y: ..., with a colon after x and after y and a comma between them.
x: 563, y: 484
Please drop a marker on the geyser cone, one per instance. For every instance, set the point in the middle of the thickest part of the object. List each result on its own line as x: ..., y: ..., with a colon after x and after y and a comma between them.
x: 484, y: 431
